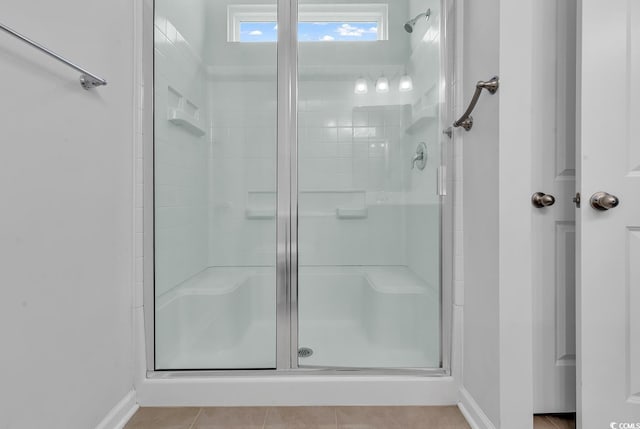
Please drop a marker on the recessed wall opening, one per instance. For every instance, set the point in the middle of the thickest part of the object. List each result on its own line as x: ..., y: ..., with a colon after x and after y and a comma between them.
x: 316, y: 223
x: 347, y: 22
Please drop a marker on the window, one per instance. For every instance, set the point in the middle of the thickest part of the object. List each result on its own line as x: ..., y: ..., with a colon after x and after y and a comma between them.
x: 317, y: 23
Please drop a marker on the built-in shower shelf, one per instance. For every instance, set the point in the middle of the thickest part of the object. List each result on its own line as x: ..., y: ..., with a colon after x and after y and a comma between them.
x: 185, y: 120
x: 340, y: 213
x: 341, y: 204
x: 184, y: 113
x: 260, y: 213
x: 421, y: 118
x: 359, y: 213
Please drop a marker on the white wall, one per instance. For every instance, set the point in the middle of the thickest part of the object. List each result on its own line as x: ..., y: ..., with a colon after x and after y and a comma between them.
x: 66, y: 236
x: 497, y: 362
x: 481, y: 177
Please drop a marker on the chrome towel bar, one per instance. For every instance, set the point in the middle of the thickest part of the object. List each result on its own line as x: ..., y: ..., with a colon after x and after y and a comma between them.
x: 88, y: 80
x: 466, y: 121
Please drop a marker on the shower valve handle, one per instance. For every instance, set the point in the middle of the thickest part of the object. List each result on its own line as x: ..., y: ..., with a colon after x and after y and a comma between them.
x: 420, y: 158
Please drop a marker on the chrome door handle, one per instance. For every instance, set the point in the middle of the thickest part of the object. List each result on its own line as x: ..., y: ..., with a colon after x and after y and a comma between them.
x: 604, y: 201
x: 540, y: 200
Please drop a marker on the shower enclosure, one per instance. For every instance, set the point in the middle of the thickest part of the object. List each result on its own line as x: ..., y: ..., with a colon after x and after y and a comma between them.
x: 301, y: 217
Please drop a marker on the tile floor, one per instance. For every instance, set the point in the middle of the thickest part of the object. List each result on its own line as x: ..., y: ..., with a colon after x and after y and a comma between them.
x: 559, y: 421
x: 317, y: 417
x: 299, y: 417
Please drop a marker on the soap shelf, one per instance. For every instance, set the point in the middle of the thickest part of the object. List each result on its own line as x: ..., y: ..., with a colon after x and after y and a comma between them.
x: 184, y: 113
x: 184, y: 120
x: 260, y: 213
x: 342, y: 204
x: 360, y: 213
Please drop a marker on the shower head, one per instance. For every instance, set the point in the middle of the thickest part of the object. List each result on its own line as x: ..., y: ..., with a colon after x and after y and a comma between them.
x: 408, y: 27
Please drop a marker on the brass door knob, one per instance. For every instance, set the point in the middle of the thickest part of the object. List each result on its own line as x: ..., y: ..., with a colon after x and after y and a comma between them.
x: 604, y: 201
x: 540, y: 200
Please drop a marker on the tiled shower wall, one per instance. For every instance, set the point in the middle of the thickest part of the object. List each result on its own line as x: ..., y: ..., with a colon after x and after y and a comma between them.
x: 243, y: 161
x: 423, y: 224
x: 353, y: 148
x: 181, y: 180
x: 350, y: 156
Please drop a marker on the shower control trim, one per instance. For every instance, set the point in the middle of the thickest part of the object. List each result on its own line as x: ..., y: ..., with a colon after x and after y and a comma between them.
x: 420, y: 158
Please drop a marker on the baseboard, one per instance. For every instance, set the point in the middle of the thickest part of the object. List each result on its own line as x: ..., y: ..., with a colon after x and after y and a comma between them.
x: 296, y: 390
x: 121, y: 413
x: 471, y: 411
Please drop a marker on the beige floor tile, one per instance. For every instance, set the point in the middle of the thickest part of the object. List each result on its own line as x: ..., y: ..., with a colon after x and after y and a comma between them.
x: 553, y: 422
x: 301, y: 417
x: 541, y: 422
x: 372, y: 417
x: 231, y: 418
x: 563, y: 422
x: 436, y: 418
x: 163, y: 418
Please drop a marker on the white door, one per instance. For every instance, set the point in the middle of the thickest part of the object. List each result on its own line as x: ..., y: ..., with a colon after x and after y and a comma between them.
x: 608, y: 242
x: 554, y: 242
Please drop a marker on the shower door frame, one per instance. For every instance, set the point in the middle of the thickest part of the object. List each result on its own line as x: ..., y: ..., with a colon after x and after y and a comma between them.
x: 287, y: 209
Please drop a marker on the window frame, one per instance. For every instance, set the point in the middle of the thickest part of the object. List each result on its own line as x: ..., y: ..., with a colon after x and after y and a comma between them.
x: 345, y: 12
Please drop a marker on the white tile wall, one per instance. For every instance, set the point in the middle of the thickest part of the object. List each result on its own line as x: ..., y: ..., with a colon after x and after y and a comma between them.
x: 181, y: 163
x: 343, y: 145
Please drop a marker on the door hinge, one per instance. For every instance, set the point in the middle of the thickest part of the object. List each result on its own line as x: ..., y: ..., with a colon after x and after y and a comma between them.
x: 442, y: 181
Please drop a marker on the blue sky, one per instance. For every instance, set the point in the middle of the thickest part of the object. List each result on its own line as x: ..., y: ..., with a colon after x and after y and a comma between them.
x: 312, y: 31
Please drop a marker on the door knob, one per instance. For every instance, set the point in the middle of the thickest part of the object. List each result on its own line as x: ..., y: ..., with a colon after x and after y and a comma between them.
x: 540, y: 200
x: 604, y: 201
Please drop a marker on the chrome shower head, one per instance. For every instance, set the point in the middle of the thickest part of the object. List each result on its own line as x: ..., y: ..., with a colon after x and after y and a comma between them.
x: 408, y: 27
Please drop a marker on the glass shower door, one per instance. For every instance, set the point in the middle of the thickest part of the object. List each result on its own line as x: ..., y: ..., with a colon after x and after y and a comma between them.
x: 369, y: 210
x: 215, y: 185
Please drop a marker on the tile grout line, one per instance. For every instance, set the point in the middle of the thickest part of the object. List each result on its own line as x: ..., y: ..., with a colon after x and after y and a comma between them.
x: 335, y: 414
x: 264, y: 421
x: 195, y: 419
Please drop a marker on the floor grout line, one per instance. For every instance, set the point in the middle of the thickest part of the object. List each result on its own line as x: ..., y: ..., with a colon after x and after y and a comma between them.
x: 196, y: 418
x: 264, y: 421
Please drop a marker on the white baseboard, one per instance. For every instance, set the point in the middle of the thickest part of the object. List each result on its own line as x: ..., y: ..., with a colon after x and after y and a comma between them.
x: 302, y: 390
x: 121, y: 413
x: 471, y: 411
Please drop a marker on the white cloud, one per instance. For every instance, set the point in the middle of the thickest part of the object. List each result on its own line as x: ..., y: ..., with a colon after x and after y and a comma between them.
x: 350, y: 30
x: 275, y: 27
x: 255, y: 33
x: 327, y: 38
